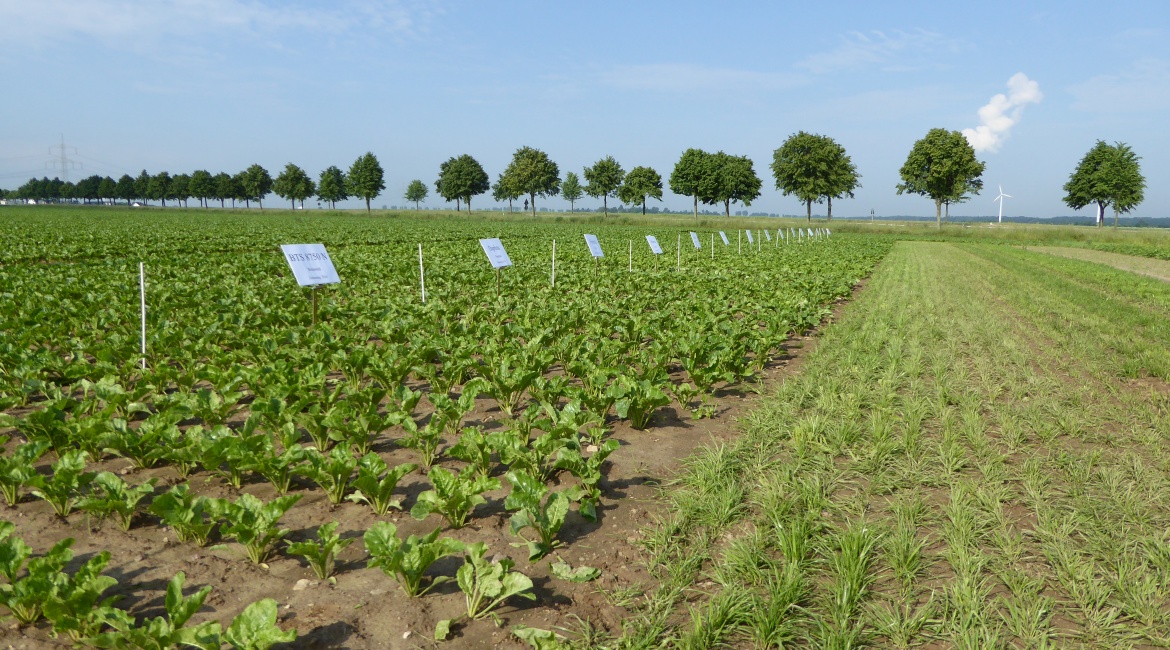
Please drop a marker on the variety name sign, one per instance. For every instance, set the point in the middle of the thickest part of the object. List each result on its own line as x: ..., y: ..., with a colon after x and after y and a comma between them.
x: 724, y: 236
x: 695, y: 240
x: 594, y: 246
x: 750, y: 240
x: 494, y: 249
x: 310, y: 264
x: 654, y: 247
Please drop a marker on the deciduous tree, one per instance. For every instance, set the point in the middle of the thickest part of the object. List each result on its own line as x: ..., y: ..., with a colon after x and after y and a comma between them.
x: 294, y: 185
x: 640, y: 183
x: 257, y: 183
x: 461, y: 178
x: 416, y: 191
x: 571, y: 189
x: 533, y: 173
x: 160, y: 188
x: 202, y: 186
x: 125, y: 189
x: 180, y: 187
x: 365, y: 178
x: 814, y: 168
x: 331, y: 186
x: 942, y: 166
x: 729, y: 179
x: 1107, y: 175
x: 688, y: 174
x: 603, y: 179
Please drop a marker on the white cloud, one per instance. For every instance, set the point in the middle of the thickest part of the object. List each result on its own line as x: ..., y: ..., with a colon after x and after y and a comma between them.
x: 1144, y: 87
x: 129, y: 23
x: 687, y: 78
x: 896, y: 50
x: 1000, y: 114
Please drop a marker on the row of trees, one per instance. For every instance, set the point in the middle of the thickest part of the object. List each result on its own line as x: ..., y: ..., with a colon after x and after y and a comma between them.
x: 364, y: 180
x: 814, y: 168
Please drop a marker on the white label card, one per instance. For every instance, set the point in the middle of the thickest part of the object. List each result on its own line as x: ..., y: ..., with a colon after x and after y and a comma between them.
x: 695, y: 240
x: 594, y: 246
x: 828, y: 232
x: 310, y: 264
x: 724, y: 236
x: 768, y: 235
x: 750, y: 240
x: 654, y: 247
x: 494, y: 249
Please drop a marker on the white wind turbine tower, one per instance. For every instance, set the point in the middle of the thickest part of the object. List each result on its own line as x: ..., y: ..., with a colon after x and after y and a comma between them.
x: 1000, y: 198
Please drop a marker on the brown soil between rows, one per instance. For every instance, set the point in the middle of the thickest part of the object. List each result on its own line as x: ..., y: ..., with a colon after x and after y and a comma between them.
x: 366, y: 608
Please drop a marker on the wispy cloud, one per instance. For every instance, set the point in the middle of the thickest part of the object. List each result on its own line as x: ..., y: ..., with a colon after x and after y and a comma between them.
x: 129, y: 23
x: 1143, y: 87
x: 999, y: 115
x: 689, y: 78
x: 891, y: 50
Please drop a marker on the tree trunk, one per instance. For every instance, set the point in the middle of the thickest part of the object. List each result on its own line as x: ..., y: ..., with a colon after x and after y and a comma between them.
x: 643, y: 206
x: 948, y: 212
x: 222, y: 204
x: 1115, y: 214
x: 829, y: 216
x: 605, y: 204
x: 468, y: 199
x: 367, y: 205
x: 294, y: 204
x: 164, y: 204
x: 260, y: 202
x: 938, y: 213
x: 532, y: 195
x: 696, y: 207
x: 727, y: 208
x: 808, y: 209
x: 509, y: 205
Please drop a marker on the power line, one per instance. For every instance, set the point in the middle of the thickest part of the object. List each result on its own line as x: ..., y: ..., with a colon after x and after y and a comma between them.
x: 64, y: 163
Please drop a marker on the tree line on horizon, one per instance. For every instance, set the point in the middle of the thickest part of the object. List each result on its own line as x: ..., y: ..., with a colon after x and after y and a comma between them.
x: 813, y: 168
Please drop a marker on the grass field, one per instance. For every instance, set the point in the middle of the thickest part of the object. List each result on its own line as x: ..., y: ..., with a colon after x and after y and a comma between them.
x: 974, y: 457
x: 972, y: 453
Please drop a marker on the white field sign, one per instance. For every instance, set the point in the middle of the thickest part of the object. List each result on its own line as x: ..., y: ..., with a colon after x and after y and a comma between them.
x: 749, y: 235
x: 310, y: 264
x: 768, y: 235
x: 695, y: 240
x: 724, y: 236
x: 594, y: 246
x: 494, y: 249
x: 654, y: 247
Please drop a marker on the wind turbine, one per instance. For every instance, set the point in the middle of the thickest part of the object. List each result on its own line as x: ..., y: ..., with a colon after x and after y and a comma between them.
x: 1000, y: 198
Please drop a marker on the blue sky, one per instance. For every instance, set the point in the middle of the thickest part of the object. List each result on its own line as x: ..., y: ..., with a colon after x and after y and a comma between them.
x: 221, y: 84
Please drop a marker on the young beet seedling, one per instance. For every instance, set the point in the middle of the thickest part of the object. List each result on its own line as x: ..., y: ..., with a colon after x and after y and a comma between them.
x: 166, y: 632
x: 321, y: 554
x: 407, y: 561
x: 375, y: 485
x: 117, y: 497
x: 64, y: 487
x: 473, y: 448
x: 545, y: 516
x: 588, y: 471
x: 252, y: 523
x: 486, y: 585
x: 191, y: 516
x: 454, y: 496
x: 17, y: 470
x: 331, y: 472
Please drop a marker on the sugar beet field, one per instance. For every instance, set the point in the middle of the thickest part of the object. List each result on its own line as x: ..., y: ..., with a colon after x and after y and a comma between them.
x: 856, y: 440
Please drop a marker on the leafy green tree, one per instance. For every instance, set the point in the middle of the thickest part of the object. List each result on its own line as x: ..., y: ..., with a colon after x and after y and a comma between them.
x: 415, y: 192
x: 942, y: 166
x: 180, y: 188
x: 202, y: 186
x: 814, y: 168
x: 1107, y: 175
x: 365, y: 178
x: 160, y: 188
x: 504, y: 191
x: 331, y: 186
x: 688, y: 174
x: 533, y: 173
x: 239, y: 189
x: 294, y: 185
x: 257, y: 183
x: 462, y: 178
x: 603, y: 179
x: 125, y: 188
x: 107, y: 189
x: 222, y: 188
x: 142, y: 186
x: 728, y: 179
x: 571, y: 189
x: 640, y: 183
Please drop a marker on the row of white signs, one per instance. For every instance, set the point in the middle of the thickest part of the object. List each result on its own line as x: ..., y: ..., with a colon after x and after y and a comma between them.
x: 312, y: 266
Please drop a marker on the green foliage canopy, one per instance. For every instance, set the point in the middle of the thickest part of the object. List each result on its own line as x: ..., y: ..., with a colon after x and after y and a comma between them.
x: 1107, y: 175
x: 365, y: 178
x: 462, y: 178
x: 415, y: 192
x: 533, y: 173
x: 640, y: 183
x: 943, y: 166
x: 814, y: 168
x: 603, y: 179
